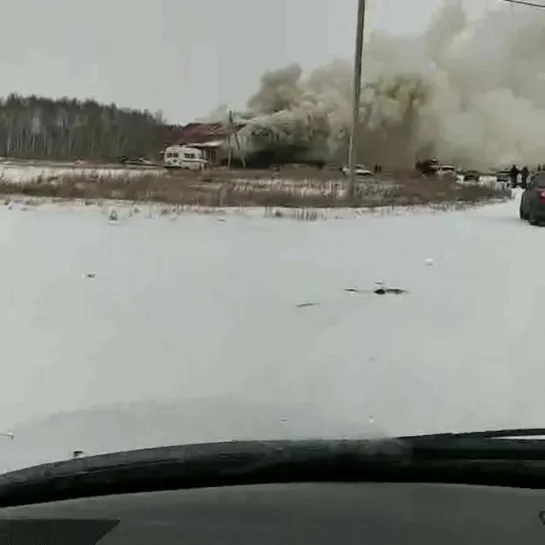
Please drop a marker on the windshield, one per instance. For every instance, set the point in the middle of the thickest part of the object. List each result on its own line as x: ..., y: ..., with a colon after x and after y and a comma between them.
x: 539, y: 180
x: 253, y: 289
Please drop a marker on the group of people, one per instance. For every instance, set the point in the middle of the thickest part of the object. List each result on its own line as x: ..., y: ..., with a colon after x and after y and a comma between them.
x: 524, y: 174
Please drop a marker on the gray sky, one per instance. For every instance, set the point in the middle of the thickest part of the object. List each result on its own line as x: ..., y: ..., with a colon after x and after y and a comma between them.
x: 179, y: 56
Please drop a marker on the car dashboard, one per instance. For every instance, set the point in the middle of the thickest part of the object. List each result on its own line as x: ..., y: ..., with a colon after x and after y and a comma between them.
x: 286, y: 514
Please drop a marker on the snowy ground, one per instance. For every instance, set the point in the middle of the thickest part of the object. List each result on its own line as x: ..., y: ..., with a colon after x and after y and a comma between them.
x: 196, y: 322
x: 490, y: 181
x: 17, y: 172
x: 23, y: 173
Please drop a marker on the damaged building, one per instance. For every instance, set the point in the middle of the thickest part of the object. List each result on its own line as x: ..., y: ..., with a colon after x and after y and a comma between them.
x: 213, y: 139
x: 244, y: 142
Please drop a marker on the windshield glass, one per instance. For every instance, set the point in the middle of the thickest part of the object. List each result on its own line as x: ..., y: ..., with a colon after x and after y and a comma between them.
x: 254, y: 289
x: 539, y: 180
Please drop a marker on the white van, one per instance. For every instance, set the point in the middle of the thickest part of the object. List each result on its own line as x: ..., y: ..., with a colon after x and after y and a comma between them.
x: 184, y: 157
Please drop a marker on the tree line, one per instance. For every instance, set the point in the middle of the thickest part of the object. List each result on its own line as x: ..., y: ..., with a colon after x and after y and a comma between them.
x: 35, y: 127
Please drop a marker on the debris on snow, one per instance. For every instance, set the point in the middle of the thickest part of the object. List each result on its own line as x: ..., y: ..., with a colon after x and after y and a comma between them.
x: 306, y: 305
x: 112, y: 216
x: 89, y: 275
x: 381, y: 289
x: 356, y: 290
x: 384, y: 290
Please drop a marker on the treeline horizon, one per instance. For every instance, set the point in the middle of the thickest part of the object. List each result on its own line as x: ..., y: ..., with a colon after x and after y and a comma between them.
x: 38, y: 127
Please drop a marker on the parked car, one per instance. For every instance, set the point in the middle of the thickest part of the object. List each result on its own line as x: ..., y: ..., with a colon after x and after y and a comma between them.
x: 503, y: 175
x: 360, y: 170
x: 446, y: 170
x: 472, y: 176
x: 532, y: 200
x: 135, y: 161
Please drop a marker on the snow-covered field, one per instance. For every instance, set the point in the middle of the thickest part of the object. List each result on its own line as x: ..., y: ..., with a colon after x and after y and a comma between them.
x: 15, y: 172
x: 21, y: 173
x: 218, y: 326
x: 490, y: 181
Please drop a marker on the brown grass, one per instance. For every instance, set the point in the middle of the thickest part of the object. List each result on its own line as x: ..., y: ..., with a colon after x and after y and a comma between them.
x: 226, y: 189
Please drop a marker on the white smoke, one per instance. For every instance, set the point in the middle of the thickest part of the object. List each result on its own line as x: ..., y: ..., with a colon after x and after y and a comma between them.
x: 472, y: 92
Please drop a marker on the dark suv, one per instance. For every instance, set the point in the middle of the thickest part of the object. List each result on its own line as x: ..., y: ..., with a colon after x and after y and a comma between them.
x: 532, y: 201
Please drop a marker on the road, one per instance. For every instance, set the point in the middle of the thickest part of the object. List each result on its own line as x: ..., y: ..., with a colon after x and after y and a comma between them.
x: 201, y: 327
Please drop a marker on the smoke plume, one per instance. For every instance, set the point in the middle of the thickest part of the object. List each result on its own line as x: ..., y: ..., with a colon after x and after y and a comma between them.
x: 470, y: 92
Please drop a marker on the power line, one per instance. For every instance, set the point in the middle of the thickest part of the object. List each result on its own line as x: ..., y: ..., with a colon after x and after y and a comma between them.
x: 525, y: 3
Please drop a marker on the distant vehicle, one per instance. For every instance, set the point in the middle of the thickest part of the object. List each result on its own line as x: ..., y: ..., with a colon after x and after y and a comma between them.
x: 446, y: 170
x: 472, y: 176
x: 184, y: 157
x: 360, y: 170
x: 427, y: 167
x: 503, y: 175
x: 432, y: 167
x: 532, y: 201
x: 135, y: 161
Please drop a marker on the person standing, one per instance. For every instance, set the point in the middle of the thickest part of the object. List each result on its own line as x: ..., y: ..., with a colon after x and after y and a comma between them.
x: 524, y: 173
x: 514, y: 174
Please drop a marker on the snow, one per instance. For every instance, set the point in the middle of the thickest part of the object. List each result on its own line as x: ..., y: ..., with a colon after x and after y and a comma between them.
x: 19, y: 173
x: 486, y: 180
x: 15, y: 172
x: 193, y: 327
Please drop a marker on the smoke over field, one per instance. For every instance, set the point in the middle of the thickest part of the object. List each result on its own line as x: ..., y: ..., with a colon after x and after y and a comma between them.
x: 467, y: 91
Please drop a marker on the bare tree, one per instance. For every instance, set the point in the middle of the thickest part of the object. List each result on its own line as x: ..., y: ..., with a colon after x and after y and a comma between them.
x: 41, y: 128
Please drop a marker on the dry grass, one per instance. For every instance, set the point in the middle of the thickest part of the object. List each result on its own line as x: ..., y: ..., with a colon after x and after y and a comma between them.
x: 227, y: 189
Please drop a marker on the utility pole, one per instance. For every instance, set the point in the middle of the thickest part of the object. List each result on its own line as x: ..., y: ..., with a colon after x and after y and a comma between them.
x: 358, y: 57
x: 234, y: 135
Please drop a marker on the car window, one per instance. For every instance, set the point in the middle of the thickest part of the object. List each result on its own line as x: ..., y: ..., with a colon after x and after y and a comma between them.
x: 538, y: 181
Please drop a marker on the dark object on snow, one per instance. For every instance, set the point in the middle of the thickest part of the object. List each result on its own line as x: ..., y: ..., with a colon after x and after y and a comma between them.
x: 91, y: 275
x: 383, y: 291
x: 379, y: 290
x: 306, y: 305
